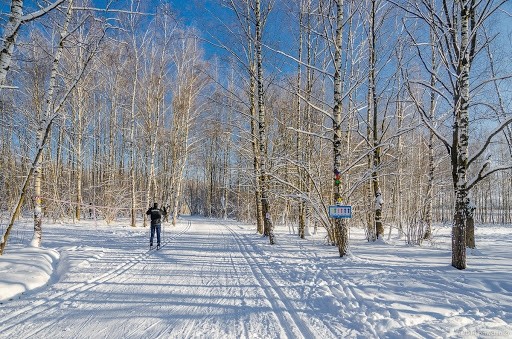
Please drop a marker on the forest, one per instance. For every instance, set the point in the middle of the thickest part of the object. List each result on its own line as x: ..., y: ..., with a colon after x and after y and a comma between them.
x: 263, y: 111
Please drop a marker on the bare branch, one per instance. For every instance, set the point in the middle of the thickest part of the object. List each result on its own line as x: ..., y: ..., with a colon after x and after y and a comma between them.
x: 482, y: 174
x: 489, y: 139
x: 426, y: 120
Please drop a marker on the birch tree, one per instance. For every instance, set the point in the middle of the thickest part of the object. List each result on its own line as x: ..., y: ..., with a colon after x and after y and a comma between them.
x: 43, y: 129
x: 304, y: 143
x: 340, y: 224
x: 137, y: 42
x: 431, y: 113
x: 457, y: 26
x: 262, y: 130
x: 373, y: 113
x: 52, y: 108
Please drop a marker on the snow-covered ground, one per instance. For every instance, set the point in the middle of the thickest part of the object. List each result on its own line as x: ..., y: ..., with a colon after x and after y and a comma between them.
x: 217, y: 279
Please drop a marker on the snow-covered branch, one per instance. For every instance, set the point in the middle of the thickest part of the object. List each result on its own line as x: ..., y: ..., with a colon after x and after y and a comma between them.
x: 41, y: 12
x: 11, y: 32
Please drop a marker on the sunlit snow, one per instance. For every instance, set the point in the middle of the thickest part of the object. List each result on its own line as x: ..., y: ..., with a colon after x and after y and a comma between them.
x: 219, y: 279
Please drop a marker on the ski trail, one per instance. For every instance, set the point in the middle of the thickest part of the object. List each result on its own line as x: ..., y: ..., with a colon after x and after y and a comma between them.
x: 9, y: 323
x: 216, y: 274
x: 290, y: 322
x: 319, y: 279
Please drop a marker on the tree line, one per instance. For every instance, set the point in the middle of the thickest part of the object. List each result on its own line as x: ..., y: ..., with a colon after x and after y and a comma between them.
x: 268, y: 112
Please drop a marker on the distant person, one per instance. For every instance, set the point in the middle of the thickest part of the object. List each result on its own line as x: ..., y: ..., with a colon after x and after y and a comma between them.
x: 90, y: 210
x: 156, y: 224
x: 164, y: 211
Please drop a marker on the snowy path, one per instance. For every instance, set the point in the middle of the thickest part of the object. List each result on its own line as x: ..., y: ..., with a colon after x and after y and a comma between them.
x: 216, y: 279
x: 204, y: 281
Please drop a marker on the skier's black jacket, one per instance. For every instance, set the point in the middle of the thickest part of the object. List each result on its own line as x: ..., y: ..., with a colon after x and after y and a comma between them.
x: 156, y: 215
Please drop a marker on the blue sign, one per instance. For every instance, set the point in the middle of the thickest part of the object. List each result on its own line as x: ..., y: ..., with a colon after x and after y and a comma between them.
x: 340, y: 211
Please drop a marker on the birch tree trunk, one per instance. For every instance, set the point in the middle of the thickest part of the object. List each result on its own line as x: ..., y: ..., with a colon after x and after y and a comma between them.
x: 308, y: 116
x: 341, y: 228
x: 460, y: 146
x: 133, y: 209
x: 133, y: 107
x: 43, y: 131
x: 268, y: 224
x: 79, y: 130
x: 373, y: 106
x: 255, y: 150
x: 9, y: 39
x: 299, y: 146
x: 430, y: 145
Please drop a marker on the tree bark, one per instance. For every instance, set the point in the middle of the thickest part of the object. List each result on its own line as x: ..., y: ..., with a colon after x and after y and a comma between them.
x: 262, y: 132
x: 340, y: 225
x: 373, y: 106
x: 431, y: 166
x: 255, y: 150
x: 299, y: 147
x: 16, y: 19
x: 460, y: 147
x: 44, y: 130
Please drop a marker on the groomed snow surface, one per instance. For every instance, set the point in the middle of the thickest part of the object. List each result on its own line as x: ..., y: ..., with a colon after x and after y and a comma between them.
x: 219, y: 279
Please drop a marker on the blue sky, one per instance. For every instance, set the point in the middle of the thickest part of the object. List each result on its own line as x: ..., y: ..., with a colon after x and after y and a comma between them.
x: 204, y: 14
x: 191, y: 11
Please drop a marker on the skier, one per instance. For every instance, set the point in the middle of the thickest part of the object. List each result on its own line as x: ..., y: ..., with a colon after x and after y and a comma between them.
x: 156, y: 223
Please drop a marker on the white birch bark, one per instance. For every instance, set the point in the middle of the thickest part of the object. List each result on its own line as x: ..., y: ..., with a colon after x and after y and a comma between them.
x: 430, y: 145
x: 16, y: 20
x: 341, y: 227
x: 262, y: 131
x: 375, y: 140
x: 133, y: 113
x: 299, y: 147
x: 461, y: 136
x: 9, y: 39
x: 44, y: 129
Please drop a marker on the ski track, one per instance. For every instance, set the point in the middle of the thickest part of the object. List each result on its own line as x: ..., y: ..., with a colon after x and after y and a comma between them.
x: 10, y: 324
x: 358, y: 294
x: 310, y: 284
x: 341, y: 321
x: 275, y: 296
x: 236, y: 276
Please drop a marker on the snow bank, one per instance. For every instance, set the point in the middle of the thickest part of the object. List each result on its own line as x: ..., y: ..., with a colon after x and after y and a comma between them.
x: 25, y: 269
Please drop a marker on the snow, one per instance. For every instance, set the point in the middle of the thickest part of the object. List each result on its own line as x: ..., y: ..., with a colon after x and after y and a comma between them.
x: 28, y: 269
x: 219, y: 279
